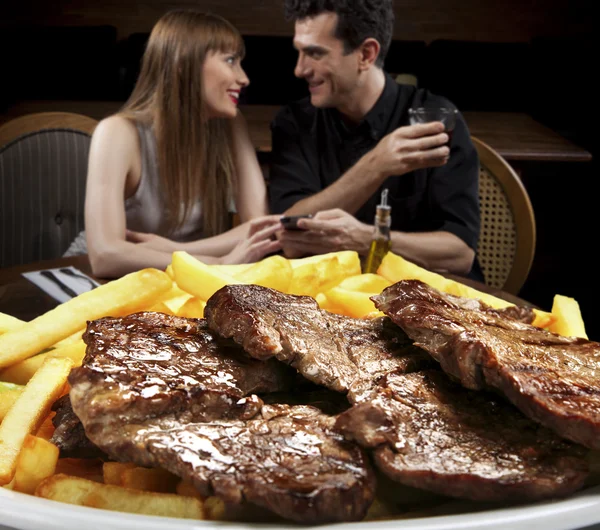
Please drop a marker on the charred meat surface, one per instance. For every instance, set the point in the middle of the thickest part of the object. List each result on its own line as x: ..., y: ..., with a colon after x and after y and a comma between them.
x: 429, y: 432
x: 69, y: 435
x: 377, y: 347
x: 166, y: 392
x: 149, y: 364
x: 341, y: 353
x: 552, y: 379
x: 268, y: 323
x: 286, y: 459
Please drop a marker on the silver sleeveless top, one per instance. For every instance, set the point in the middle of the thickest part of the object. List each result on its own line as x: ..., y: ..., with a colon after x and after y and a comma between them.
x: 144, y: 210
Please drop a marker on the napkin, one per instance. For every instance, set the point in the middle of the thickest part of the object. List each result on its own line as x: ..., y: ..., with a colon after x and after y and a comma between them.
x: 75, y: 281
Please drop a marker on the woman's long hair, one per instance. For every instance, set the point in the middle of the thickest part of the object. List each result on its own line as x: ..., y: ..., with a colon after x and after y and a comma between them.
x: 194, y: 152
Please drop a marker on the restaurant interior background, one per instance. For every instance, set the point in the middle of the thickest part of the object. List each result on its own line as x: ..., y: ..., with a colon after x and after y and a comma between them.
x: 529, y: 56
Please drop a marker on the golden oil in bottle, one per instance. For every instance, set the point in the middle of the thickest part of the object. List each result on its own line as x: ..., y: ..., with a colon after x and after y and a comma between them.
x: 381, y: 243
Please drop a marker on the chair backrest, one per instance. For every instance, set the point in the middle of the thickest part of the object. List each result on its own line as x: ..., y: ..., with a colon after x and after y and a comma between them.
x: 43, y: 167
x: 508, y: 232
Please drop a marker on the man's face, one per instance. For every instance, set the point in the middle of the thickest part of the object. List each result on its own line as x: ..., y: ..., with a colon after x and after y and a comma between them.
x: 331, y: 75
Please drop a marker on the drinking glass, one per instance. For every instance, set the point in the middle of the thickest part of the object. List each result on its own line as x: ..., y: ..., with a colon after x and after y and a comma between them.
x: 427, y: 114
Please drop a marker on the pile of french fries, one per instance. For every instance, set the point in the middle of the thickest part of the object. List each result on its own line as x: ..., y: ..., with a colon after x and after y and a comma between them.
x: 36, y: 358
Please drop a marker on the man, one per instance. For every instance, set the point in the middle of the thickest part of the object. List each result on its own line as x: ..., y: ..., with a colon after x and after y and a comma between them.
x: 334, y: 152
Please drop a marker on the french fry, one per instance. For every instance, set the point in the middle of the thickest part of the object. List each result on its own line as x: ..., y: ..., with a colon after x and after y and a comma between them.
x: 173, y: 292
x: 82, y: 492
x: 193, y: 308
x: 88, y: 468
x: 348, y: 261
x: 145, y: 479
x: 543, y: 319
x: 326, y: 304
x: 569, y: 321
x: 37, y: 461
x: 233, y: 269
x: 197, y: 278
x: 174, y: 304
x: 113, y: 471
x: 29, y: 411
x: 365, y: 283
x: 160, y: 307
x: 7, y: 386
x: 187, y: 489
x: 21, y: 372
x: 459, y: 289
x: 314, y: 277
x: 8, y: 323
x: 395, y: 268
x: 317, y: 274
x: 173, y: 299
x: 351, y: 297
x: 353, y: 303
x: 7, y: 400
x: 46, y: 429
x: 116, y: 298
x: 214, y: 508
x: 70, y: 339
x: 274, y: 272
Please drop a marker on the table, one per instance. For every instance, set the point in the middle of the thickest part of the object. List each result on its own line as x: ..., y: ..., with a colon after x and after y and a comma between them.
x: 23, y: 299
x: 516, y: 136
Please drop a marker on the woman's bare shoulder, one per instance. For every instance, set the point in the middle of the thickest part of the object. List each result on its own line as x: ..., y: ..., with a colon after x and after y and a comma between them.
x: 117, y: 128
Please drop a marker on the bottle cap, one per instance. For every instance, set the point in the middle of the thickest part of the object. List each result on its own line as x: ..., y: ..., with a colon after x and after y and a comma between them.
x: 384, y: 211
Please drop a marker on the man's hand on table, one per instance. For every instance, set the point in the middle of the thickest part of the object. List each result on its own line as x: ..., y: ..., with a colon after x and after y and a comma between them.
x: 327, y: 231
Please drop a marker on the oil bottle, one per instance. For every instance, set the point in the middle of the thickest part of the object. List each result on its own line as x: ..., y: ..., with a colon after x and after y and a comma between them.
x: 381, y: 243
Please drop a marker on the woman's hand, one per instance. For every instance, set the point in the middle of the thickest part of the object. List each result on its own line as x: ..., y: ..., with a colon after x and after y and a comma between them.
x: 149, y: 240
x: 259, y: 241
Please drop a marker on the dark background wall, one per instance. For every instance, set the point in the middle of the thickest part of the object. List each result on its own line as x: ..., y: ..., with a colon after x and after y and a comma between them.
x: 481, y: 20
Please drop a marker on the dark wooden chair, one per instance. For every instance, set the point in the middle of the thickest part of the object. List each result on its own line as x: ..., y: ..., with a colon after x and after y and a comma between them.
x: 43, y: 167
x: 508, y: 231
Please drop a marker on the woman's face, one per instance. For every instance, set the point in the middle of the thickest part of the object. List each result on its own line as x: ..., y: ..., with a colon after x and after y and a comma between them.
x: 224, y: 78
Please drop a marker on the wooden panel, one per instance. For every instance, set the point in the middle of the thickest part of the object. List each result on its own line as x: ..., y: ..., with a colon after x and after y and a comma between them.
x: 516, y: 136
x: 506, y: 21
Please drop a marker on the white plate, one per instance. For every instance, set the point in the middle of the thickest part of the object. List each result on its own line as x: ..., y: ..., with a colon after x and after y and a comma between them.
x: 25, y: 512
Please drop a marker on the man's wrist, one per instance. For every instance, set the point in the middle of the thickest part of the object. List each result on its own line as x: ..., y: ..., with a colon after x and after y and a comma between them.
x: 369, y: 168
x: 364, y: 236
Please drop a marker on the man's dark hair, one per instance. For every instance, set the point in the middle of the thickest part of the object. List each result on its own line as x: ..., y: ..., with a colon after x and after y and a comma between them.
x: 357, y: 20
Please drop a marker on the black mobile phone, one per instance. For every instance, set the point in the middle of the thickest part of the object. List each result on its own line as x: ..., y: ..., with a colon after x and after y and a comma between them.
x: 290, y: 222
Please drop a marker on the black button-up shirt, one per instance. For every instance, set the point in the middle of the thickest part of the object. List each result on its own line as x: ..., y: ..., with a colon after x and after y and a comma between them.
x: 313, y: 147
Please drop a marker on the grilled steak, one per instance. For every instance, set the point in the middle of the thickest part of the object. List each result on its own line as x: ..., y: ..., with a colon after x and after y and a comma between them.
x: 340, y: 353
x: 165, y: 392
x: 430, y: 433
x: 286, y: 459
x: 268, y: 323
x: 148, y: 364
x: 552, y: 379
x: 376, y: 346
x: 69, y: 434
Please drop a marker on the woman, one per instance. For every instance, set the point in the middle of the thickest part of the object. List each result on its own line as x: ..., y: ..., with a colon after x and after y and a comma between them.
x: 164, y: 170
